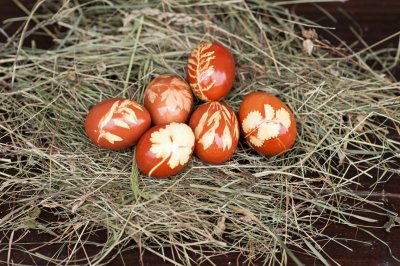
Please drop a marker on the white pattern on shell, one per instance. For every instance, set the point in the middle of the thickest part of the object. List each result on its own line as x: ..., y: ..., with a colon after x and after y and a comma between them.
x: 267, y: 127
x: 123, y: 107
x: 200, y: 68
x: 214, y: 120
x: 175, y: 95
x: 175, y: 142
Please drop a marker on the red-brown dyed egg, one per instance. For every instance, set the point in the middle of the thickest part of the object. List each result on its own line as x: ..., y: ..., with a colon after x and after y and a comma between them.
x: 216, y: 130
x: 168, y: 99
x: 267, y: 123
x: 164, y: 150
x: 117, y: 123
x: 210, y: 71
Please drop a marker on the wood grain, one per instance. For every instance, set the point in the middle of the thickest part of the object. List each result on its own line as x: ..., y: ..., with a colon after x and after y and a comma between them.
x: 373, y: 20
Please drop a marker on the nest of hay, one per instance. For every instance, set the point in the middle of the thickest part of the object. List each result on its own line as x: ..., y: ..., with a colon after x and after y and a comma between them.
x: 259, y: 206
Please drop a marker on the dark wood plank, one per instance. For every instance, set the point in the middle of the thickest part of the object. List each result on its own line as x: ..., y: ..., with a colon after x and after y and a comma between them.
x: 9, y: 9
x: 373, y: 20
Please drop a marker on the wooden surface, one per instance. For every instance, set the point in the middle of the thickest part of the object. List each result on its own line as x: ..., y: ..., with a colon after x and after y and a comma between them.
x: 373, y: 20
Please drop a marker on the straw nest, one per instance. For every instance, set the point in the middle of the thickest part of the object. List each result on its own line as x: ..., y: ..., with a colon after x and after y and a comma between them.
x: 258, y: 206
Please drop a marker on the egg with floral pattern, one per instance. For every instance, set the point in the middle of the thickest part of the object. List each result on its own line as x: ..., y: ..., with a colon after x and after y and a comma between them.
x: 216, y: 130
x: 165, y: 149
x: 168, y: 99
x: 116, y: 123
x: 210, y: 71
x: 267, y: 123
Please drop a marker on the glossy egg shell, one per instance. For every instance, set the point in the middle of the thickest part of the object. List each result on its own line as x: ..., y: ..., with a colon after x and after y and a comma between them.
x: 210, y: 71
x: 116, y: 123
x: 216, y: 130
x: 164, y: 150
x: 169, y: 99
x: 267, y: 123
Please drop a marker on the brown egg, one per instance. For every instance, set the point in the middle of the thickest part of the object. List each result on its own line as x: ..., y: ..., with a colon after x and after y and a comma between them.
x: 210, y: 71
x: 216, y: 129
x: 168, y: 99
x: 116, y: 123
x: 267, y: 123
x: 164, y: 150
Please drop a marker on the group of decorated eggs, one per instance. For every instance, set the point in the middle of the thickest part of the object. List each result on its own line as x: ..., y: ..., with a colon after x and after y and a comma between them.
x: 213, y: 128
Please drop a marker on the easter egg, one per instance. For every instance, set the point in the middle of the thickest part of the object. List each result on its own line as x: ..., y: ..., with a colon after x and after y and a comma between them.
x: 116, y: 123
x: 164, y: 150
x: 210, y: 71
x: 169, y: 99
x: 267, y: 123
x: 216, y: 130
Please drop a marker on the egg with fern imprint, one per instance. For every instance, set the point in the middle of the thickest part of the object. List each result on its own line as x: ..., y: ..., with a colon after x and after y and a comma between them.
x: 117, y: 123
x: 164, y: 150
x: 210, y: 71
x: 168, y: 99
x: 267, y: 123
x: 216, y: 130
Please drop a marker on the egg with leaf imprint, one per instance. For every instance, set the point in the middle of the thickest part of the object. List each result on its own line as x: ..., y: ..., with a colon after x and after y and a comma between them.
x: 216, y: 130
x: 168, y: 99
x: 116, y: 123
x: 210, y: 71
x: 267, y: 123
x: 164, y: 150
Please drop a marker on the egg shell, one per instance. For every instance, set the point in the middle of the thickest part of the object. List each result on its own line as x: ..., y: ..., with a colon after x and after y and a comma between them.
x: 169, y: 99
x: 210, y: 71
x: 216, y: 130
x: 165, y: 149
x: 116, y: 123
x: 267, y: 123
